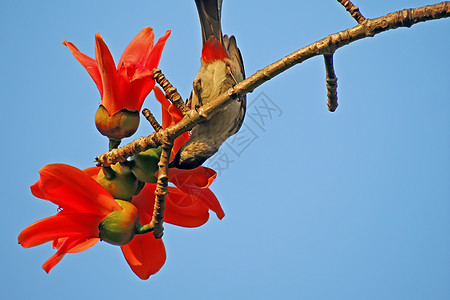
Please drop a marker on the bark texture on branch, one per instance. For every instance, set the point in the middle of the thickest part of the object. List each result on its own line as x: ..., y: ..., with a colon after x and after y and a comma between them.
x: 331, y: 80
x: 151, y: 119
x: 161, y: 191
x: 353, y: 10
x: 137, y: 146
x: 171, y: 92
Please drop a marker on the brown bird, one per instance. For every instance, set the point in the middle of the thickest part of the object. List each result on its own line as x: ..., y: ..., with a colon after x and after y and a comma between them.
x: 221, y: 68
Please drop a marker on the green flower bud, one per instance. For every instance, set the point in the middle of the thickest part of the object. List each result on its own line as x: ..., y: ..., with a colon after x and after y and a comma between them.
x: 118, y: 181
x: 119, y: 227
x: 118, y: 126
x: 146, y: 164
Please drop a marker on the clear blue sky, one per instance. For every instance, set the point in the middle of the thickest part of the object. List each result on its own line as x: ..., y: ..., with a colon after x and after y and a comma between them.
x: 347, y: 205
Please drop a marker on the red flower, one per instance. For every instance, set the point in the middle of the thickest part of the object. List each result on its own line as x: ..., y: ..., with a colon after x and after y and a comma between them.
x: 188, y: 203
x: 85, y: 204
x: 129, y: 84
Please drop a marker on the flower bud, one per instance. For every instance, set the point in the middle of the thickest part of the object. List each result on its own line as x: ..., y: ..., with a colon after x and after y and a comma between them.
x: 118, y: 126
x: 146, y: 164
x: 118, y: 181
x: 119, y: 227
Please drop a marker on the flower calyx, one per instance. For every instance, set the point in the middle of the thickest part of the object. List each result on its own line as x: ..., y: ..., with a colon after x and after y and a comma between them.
x: 117, y: 126
x: 119, y: 227
x: 145, y: 164
x: 119, y: 181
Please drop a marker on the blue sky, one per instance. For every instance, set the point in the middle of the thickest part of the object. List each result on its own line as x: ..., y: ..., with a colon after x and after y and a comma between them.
x: 347, y: 205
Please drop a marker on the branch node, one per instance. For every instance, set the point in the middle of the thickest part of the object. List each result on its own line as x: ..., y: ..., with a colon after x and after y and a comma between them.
x: 353, y: 10
x: 151, y: 118
x: 331, y: 80
x: 171, y: 92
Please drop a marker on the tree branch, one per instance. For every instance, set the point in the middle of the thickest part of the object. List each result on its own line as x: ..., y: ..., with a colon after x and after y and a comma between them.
x: 171, y: 92
x: 137, y: 146
x: 353, y: 10
x: 331, y: 82
x: 161, y: 190
x: 151, y: 119
x: 326, y: 46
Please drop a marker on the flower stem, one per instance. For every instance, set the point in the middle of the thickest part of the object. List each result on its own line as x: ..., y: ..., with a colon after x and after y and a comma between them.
x: 143, y: 229
x: 109, y: 172
x: 114, y: 144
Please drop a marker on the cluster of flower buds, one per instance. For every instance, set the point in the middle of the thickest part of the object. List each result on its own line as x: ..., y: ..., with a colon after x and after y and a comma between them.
x: 115, y: 203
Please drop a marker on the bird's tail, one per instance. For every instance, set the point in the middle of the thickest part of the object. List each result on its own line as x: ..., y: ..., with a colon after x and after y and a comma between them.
x: 209, y: 12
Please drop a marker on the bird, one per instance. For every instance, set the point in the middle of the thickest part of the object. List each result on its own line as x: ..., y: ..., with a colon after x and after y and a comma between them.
x: 221, y: 68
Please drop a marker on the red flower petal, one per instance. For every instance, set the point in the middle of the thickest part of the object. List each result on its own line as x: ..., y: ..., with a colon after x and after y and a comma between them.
x: 137, y: 72
x: 139, y: 48
x: 111, y: 99
x: 170, y: 116
x: 165, y: 103
x: 196, y: 182
x: 92, y: 172
x: 144, y: 202
x: 84, y: 245
x: 136, y: 82
x: 36, y: 191
x: 184, y: 209
x: 80, y: 225
x: 88, y: 63
x: 210, y: 200
x: 166, y: 118
x: 176, y: 114
x: 200, y: 177
x: 178, y: 143
x: 155, y: 55
x: 181, y: 209
x: 204, y: 196
x: 73, y: 189
x: 145, y: 255
x: 67, y: 246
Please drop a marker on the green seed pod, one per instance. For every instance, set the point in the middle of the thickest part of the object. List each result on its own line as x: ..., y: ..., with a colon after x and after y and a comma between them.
x: 118, y: 181
x: 118, y: 126
x: 146, y: 164
x: 119, y: 227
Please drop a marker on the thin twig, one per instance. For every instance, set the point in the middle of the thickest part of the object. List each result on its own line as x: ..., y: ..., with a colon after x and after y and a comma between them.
x: 331, y: 83
x: 151, y: 118
x: 369, y: 28
x: 161, y: 191
x: 353, y: 10
x: 171, y: 92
